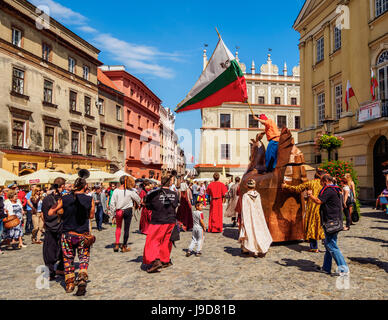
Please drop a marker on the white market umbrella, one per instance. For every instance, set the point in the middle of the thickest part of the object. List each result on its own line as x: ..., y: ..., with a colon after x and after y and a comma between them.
x: 44, y: 176
x: 96, y: 176
x: 7, y: 177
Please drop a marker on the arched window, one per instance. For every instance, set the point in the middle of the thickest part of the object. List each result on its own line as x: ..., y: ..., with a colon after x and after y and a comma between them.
x: 382, y: 74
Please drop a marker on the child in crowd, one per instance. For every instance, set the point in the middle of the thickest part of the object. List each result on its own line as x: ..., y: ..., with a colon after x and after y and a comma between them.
x: 198, y: 230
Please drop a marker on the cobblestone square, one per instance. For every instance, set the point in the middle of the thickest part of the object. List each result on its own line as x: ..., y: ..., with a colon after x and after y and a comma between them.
x: 287, y: 272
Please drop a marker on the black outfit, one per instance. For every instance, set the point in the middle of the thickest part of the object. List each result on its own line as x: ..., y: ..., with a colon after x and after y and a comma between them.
x: 163, y: 203
x: 52, y: 251
x: 127, y: 216
x: 2, y: 214
x: 76, y: 212
x: 331, y: 207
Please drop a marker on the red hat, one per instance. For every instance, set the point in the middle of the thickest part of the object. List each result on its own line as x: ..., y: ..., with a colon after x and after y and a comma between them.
x: 263, y: 117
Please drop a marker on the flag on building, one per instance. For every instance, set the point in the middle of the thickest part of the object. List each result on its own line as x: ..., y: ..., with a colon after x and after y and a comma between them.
x: 374, y: 85
x: 221, y: 81
x: 349, y: 94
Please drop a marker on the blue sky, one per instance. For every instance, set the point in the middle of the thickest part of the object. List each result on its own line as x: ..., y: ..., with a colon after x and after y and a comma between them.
x: 161, y: 42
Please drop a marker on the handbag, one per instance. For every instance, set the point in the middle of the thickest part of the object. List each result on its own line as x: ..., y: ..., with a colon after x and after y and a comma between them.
x: 333, y: 226
x: 88, y: 238
x: 355, y: 215
x: 175, y: 236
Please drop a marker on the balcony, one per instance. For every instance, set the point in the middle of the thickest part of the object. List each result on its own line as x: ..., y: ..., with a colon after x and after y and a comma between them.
x: 373, y: 111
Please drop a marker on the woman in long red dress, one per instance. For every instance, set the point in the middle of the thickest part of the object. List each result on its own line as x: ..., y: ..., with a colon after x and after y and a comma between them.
x: 184, y: 214
x: 145, y: 217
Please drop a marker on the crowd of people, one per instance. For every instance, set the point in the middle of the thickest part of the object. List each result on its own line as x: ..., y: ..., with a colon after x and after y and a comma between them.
x: 63, y: 214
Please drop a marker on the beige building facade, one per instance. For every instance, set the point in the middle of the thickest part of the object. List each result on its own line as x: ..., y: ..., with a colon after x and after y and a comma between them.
x: 226, y: 130
x: 343, y: 41
x: 48, y: 94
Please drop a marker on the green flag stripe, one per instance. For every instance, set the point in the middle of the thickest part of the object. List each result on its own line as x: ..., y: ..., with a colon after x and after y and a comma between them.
x: 228, y: 76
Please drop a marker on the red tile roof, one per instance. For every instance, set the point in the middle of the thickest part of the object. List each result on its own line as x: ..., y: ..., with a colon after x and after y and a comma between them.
x: 105, y: 80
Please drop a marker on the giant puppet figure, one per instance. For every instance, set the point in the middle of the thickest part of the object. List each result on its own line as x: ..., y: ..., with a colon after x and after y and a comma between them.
x: 283, y: 210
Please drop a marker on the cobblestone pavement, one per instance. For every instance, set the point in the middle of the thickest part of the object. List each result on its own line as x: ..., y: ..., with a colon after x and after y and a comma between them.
x: 287, y: 272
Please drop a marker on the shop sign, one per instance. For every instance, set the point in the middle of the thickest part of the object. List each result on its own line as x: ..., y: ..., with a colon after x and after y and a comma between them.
x: 370, y: 111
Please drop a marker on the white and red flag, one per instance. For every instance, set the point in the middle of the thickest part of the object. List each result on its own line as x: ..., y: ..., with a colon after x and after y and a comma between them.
x: 373, y: 84
x: 349, y: 94
x: 221, y: 81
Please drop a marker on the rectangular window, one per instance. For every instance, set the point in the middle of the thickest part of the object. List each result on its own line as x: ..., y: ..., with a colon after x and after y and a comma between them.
x: 297, y: 122
x: 225, y: 151
x: 225, y: 120
x: 18, y: 81
x: 337, y: 37
x: 148, y: 124
x: 338, y: 100
x: 261, y: 100
x: 321, y: 108
x: 119, y: 143
x: 252, y: 122
x: 16, y: 37
x: 277, y: 100
x: 89, y: 144
x: 88, y: 108
x: 294, y: 101
x: 46, y: 50
x: 130, y: 148
x: 48, y: 91
x: 75, y: 142
x: 49, y: 138
x: 73, y: 101
x: 18, y: 134
x: 85, y: 72
x: 101, y: 107
x: 320, y: 49
x: 383, y: 83
x: 71, y: 65
x: 282, y: 121
x: 102, y: 139
x: 118, y: 113
x: 381, y: 7
x: 128, y: 117
x: 138, y: 121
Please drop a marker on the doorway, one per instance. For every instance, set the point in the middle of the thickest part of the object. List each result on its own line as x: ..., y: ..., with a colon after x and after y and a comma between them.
x: 380, y: 155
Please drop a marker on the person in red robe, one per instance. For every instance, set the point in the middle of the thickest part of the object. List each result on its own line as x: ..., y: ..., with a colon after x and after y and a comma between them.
x: 217, y: 191
x: 145, y: 216
x: 184, y: 214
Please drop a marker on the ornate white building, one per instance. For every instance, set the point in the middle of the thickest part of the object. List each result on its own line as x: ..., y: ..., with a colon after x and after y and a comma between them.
x: 226, y: 130
x: 169, y: 141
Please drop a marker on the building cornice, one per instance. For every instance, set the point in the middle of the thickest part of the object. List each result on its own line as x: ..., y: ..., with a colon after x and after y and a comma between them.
x: 55, y: 36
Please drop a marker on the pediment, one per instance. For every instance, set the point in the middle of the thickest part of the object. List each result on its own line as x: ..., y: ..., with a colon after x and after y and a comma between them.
x: 306, y: 10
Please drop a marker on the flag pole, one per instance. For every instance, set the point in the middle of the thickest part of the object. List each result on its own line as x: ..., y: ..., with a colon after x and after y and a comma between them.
x: 357, y: 100
x: 219, y: 36
x: 250, y: 107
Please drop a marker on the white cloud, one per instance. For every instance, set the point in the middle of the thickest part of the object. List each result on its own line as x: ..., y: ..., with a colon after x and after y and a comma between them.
x: 136, y: 57
x: 87, y: 29
x: 140, y: 58
x: 60, y: 12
